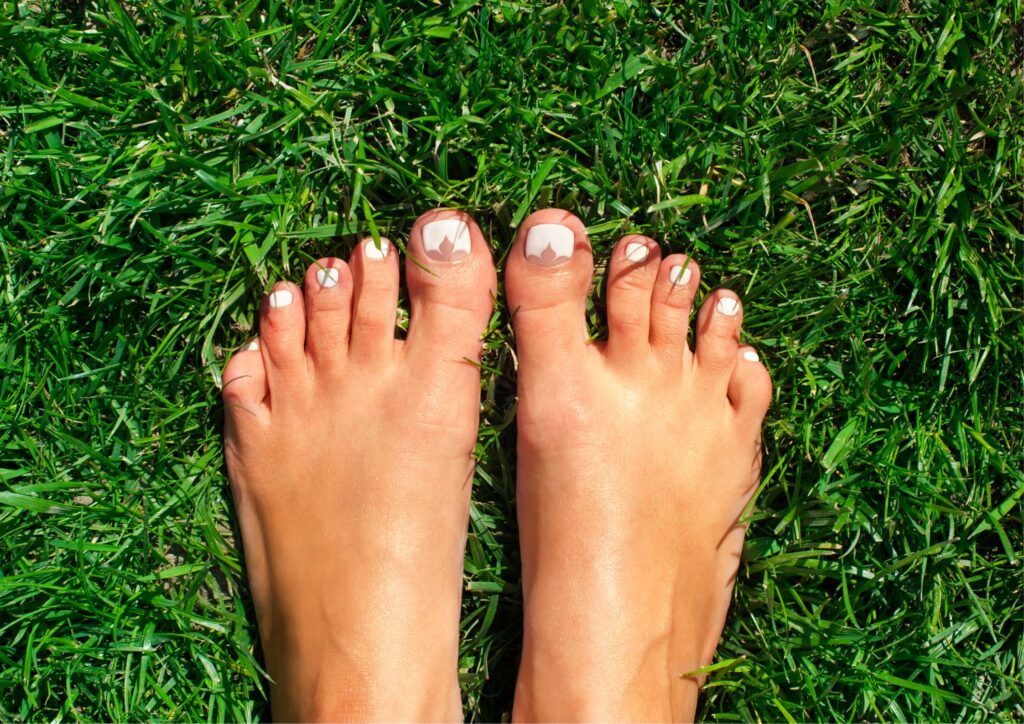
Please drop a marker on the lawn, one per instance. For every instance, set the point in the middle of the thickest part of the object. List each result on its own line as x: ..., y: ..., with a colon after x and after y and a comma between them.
x: 852, y: 169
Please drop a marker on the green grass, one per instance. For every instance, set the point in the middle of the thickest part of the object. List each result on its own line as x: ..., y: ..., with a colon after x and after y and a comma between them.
x: 853, y: 169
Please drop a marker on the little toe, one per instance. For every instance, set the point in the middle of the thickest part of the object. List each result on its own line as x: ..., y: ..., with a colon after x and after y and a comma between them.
x: 750, y: 388
x: 547, y: 280
x: 671, y: 304
x: 244, y: 382
x: 328, y: 301
x: 718, y: 334
x: 452, y: 283
x: 632, y: 272
x: 374, y: 268
x: 283, y: 334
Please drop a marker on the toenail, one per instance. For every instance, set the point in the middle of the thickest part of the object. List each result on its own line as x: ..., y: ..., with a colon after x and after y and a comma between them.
x: 252, y: 346
x: 636, y: 251
x: 446, y: 240
x: 327, y: 278
x: 549, y: 244
x: 750, y: 355
x: 680, y: 276
x: 280, y: 298
x: 728, y: 306
x: 375, y: 252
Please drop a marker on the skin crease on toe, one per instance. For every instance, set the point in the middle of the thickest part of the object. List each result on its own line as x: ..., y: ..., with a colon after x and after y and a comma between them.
x: 350, y: 460
x: 635, y: 461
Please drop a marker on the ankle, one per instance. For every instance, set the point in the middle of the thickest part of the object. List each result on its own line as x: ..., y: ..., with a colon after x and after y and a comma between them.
x: 361, y: 669
x: 390, y: 693
x: 583, y: 668
x: 586, y: 695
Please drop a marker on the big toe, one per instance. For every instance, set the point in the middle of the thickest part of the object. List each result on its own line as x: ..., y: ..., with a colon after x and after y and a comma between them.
x: 451, y: 280
x: 547, y: 279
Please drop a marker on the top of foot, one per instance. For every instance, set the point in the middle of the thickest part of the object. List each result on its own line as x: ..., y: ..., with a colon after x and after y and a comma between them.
x: 636, y: 458
x: 350, y: 459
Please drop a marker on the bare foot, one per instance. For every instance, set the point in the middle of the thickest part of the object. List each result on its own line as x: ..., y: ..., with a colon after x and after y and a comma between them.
x: 350, y: 459
x: 636, y: 459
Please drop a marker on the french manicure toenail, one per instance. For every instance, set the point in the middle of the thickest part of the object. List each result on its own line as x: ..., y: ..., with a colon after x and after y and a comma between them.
x: 636, y: 251
x: 680, y: 276
x: 549, y: 244
x: 327, y: 278
x: 280, y: 298
x: 375, y: 252
x: 728, y: 306
x: 252, y: 346
x: 446, y: 240
x: 750, y: 355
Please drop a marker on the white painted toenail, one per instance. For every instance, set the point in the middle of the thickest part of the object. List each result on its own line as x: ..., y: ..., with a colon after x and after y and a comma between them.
x: 252, y: 346
x: 750, y: 355
x: 680, y: 276
x: 728, y: 306
x: 549, y: 244
x: 327, y: 278
x: 446, y: 240
x: 637, y: 252
x: 374, y: 252
x: 280, y: 298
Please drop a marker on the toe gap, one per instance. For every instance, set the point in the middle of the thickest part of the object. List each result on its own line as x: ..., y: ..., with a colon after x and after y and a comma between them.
x: 402, y: 317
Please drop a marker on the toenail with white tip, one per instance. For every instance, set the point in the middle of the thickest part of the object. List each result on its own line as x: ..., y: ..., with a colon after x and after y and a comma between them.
x: 252, y: 346
x: 636, y: 251
x: 750, y: 355
x: 327, y: 278
x: 549, y: 244
x: 377, y: 253
x: 728, y: 306
x: 280, y: 298
x: 680, y: 276
x: 446, y: 240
